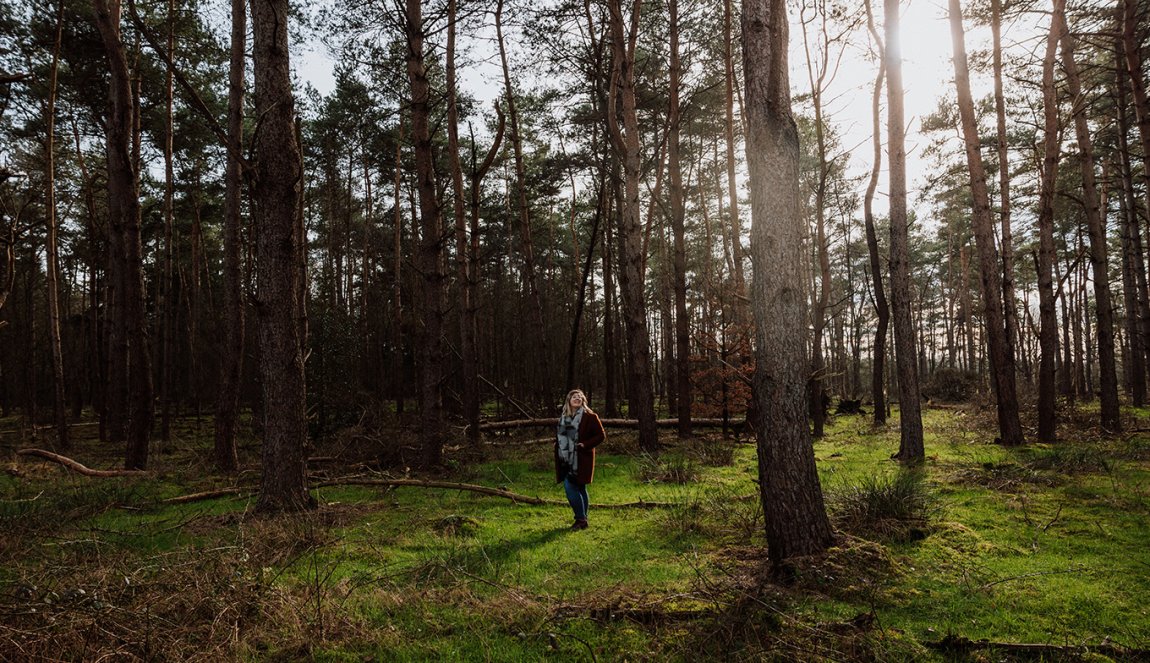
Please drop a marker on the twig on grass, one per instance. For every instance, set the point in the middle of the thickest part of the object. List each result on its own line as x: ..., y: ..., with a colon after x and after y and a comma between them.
x: 80, y: 467
x: 1077, y: 569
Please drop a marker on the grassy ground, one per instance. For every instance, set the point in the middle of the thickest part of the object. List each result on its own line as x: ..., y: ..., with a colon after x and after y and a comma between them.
x: 1038, y: 545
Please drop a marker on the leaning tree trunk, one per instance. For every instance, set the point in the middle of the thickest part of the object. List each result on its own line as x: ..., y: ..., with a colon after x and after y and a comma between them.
x: 1108, y: 375
x: 279, y: 309
x: 878, y: 353
x: 124, y: 226
x: 1048, y: 323
x: 430, y: 254
x: 232, y: 355
x: 1000, y: 353
x: 796, y: 520
x: 911, y: 447
x: 626, y: 142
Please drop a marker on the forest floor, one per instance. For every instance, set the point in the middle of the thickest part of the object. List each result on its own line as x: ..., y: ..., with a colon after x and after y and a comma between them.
x: 985, y: 554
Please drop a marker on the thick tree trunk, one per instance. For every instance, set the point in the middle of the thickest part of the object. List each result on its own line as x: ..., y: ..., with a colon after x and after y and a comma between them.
x: 626, y: 141
x: 878, y: 350
x: 1048, y: 324
x: 997, y: 337
x: 131, y: 340
x: 232, y: 355
x: 53, y: 266
x: 796, y: 520
x: 1104, y: 310
x: 678, y: 214
x: 911, y: 447
x: 279, y: 310
x: 430, y: 254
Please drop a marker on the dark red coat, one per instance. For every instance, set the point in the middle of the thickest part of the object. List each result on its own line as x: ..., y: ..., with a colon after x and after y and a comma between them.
x: 591, y: 433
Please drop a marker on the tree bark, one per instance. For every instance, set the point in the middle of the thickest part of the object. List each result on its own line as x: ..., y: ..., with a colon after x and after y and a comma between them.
x: 911, y: 447
x: 279, y: 309
x: 1048, y: 324
x: 796, y: 520
x: 997, y: 337
x: 124, y: 223
x: 1108, y: 376
x: 626, y: 142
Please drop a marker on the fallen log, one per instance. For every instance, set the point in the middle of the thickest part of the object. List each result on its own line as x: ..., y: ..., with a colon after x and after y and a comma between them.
x: 80, y: 468
x: 958, y: 644
x: 482, y: 490
x: 607, y: 423
x: 419, y: 483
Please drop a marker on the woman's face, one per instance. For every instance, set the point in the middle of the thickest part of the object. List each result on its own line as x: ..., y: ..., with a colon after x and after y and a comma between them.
x: 575, y: 401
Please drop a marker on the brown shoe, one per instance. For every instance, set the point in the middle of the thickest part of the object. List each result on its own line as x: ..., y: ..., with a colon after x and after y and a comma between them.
x: 579, y: 524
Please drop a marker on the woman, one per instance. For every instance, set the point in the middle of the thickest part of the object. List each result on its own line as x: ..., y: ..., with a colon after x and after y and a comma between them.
x: 580, y: 431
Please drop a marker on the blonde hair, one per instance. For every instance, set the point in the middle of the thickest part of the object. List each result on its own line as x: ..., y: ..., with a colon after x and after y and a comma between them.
x: 567, y: 412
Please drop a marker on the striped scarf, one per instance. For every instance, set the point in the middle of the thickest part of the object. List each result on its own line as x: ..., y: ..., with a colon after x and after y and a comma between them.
x: 568, y: 435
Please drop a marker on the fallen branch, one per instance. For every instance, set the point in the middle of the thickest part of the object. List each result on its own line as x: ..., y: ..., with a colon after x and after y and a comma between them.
x: 206, y: 495
x: 482, y: 490
x: 607, y: 423
x: 418, y: 483
x: 79, y: 467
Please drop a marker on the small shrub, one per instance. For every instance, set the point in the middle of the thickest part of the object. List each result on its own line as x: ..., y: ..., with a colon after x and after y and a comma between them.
x: 895, y: 506
x: 684, y: 516
x: 711, y: 452
x: 671, y: 468
x: 737, y: 516
x: 1070, y: 459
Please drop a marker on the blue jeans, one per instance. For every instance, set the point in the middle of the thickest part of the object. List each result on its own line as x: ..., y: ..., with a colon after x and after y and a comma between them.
x: 577, y: 496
